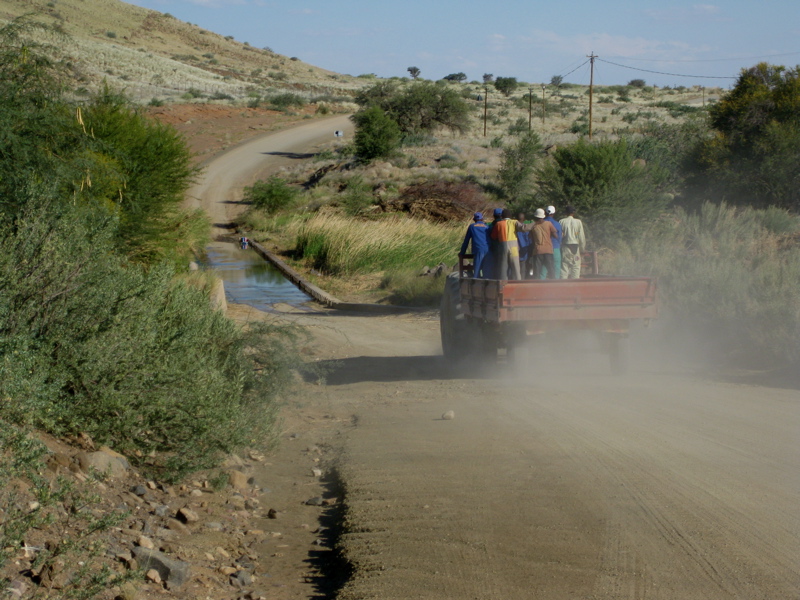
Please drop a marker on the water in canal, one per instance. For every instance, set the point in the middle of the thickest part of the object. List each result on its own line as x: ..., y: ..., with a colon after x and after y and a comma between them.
x: 249, y: 279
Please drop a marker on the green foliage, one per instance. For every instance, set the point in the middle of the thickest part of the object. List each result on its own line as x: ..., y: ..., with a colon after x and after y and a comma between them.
x: 421, y: 107
x: 271, y: 195
x: 285, y: 101
x: 506, y: 85
x: 406, y: 287
x: 455, y: 77
x: 357, y: 197
x: 637, y: 83
x: 727, y: 274
x: 377, y: 134
x: 556, y: 81
x: 518, y: 165
x: 414, y: 72
x: 754, y: 156
x: 135, y: 358
x: 518, y: 127
x: 602, y: 182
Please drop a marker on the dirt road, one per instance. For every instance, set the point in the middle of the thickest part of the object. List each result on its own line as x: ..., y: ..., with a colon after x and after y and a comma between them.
x: 666, y: 484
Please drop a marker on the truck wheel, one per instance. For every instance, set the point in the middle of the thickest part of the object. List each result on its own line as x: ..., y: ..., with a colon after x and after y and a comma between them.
x: 461, y: 339
x: 619, y: 354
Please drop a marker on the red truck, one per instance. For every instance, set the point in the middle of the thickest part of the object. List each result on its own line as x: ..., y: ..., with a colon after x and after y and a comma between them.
x: 478, y: 317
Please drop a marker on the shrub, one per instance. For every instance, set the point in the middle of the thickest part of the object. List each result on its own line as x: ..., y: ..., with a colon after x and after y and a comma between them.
x: 727, y: 275
x: 286, y: 100
x: 506, y: 85
x: 377, y: 134
x: 271, y: 195
x: 518, y: 165
x: 111, y: 34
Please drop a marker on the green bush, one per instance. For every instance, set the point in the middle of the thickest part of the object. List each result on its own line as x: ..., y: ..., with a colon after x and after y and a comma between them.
x: 377, y: 134
x: 133, y: 357
x: 407, y: 288
x: 518, y: 165
x: 271, y: 195
x: 286, y: 100
x: 728, y: 275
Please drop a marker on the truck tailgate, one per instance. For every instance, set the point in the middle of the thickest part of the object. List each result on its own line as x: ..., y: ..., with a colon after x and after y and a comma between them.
x: 560, y: 300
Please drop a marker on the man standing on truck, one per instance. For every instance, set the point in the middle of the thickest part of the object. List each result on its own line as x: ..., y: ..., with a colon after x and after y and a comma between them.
x: 543, y: 235
x: 478, y: 232
x: 504, y: 235
x: 524, y: 241
x: 573, y: 243
x: 550, y: 211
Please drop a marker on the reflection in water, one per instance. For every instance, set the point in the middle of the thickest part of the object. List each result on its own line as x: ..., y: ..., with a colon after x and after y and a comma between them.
x: 249, y: 279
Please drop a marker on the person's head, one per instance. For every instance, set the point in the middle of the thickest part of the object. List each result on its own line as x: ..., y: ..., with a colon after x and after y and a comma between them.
x: 538, y: 214
x: 520, y: 216
x: 498, y: 213
x: 477, y: 217
x: 550, y: 210
x: 570, y: 210
x: 506, y: 213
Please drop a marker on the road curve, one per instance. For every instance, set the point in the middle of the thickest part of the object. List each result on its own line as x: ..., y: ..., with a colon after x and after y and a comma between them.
x: 218, y: 189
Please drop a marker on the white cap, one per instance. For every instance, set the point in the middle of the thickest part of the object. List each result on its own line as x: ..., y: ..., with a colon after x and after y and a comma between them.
x: 538, y: 214
x: 551, y: 210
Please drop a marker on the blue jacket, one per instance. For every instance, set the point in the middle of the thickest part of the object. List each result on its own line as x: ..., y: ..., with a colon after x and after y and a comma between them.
x: 557, y: 225
x: 479, y: 234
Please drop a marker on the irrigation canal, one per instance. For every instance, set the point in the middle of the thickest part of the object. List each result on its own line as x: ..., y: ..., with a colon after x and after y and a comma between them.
x: 251, y: 280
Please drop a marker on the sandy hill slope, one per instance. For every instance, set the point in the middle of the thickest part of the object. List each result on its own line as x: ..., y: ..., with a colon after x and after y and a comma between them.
x: 153, y: 54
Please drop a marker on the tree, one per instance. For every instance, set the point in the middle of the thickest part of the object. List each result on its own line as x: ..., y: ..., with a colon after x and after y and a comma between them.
x: 518, y: 165
x: 506, y: 85
x: 637, y: 83
x: 414, y: 72
x: 603, y: 183
x: 488, y: 78
x: 421, y: 107
x: 754, y: 156
x: 377, y: 134
x: 457, y: 77
x: 556, y: 81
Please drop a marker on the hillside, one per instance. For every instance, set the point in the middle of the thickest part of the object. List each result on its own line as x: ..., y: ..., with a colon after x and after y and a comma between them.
x: 154, y: 55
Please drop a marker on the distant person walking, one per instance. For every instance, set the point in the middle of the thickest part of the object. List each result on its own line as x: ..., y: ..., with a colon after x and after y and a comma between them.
x: 550, y: 211
x: 542, y: 235
x: 478, y: 234
x: 573, y: 243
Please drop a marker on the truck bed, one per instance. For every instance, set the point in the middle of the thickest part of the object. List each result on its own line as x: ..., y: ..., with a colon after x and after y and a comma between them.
x: 590, y: 298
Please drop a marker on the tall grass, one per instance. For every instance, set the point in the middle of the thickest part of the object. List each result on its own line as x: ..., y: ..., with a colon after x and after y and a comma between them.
x: 731, y: 274
x: 343, y: 246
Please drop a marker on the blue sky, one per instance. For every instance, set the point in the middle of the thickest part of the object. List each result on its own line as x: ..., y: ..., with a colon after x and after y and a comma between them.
x: 527, y: 39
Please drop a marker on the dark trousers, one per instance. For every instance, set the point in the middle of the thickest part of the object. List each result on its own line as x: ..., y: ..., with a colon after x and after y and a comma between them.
x: 541, y: 262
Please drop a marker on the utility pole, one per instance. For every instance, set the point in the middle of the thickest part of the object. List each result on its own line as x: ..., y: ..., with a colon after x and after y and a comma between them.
x: 485, y: 107
x: 530, y: 107
x: 702, y: 87
x: 592, y: 56
x: 544, y: 106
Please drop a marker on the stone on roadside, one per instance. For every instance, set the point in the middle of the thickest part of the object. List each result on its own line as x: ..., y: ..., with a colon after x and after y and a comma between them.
x: 187, y: 516
x: 241, y: 579
x: 449, y: 415
x: 238, y: 480
x: 153, y: 575
x: 102, y: 462
x: 316, y: 501
x: 174, y: 572
x: 145, y: 542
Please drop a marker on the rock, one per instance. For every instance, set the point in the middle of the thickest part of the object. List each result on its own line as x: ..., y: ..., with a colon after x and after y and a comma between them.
x: 238, y: 480
x: 174, y: 572
x: 272, y: 513
x: 139, y: 490
x: 187, y: 516
x: 145, y: 542
x: 214, y: 526
x: 222, y: 552
x: 102, y: 462
x: 162, y: 510
x: 241, y: 579
x: 128, y: 591
x: 449, y: 415
x: 153, y: 575
x: 316, y: 501
x: 228, y: 570
x: 316, y: 472
x: 176, y: 525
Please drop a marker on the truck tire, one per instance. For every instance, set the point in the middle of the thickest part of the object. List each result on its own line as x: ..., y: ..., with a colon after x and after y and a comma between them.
x: 461, y: 338
x: 619, y: 353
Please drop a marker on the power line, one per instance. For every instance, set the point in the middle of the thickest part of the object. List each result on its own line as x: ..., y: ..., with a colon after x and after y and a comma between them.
x: 663, y: 73
x: 575, y: 69
x: 692, y: 60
